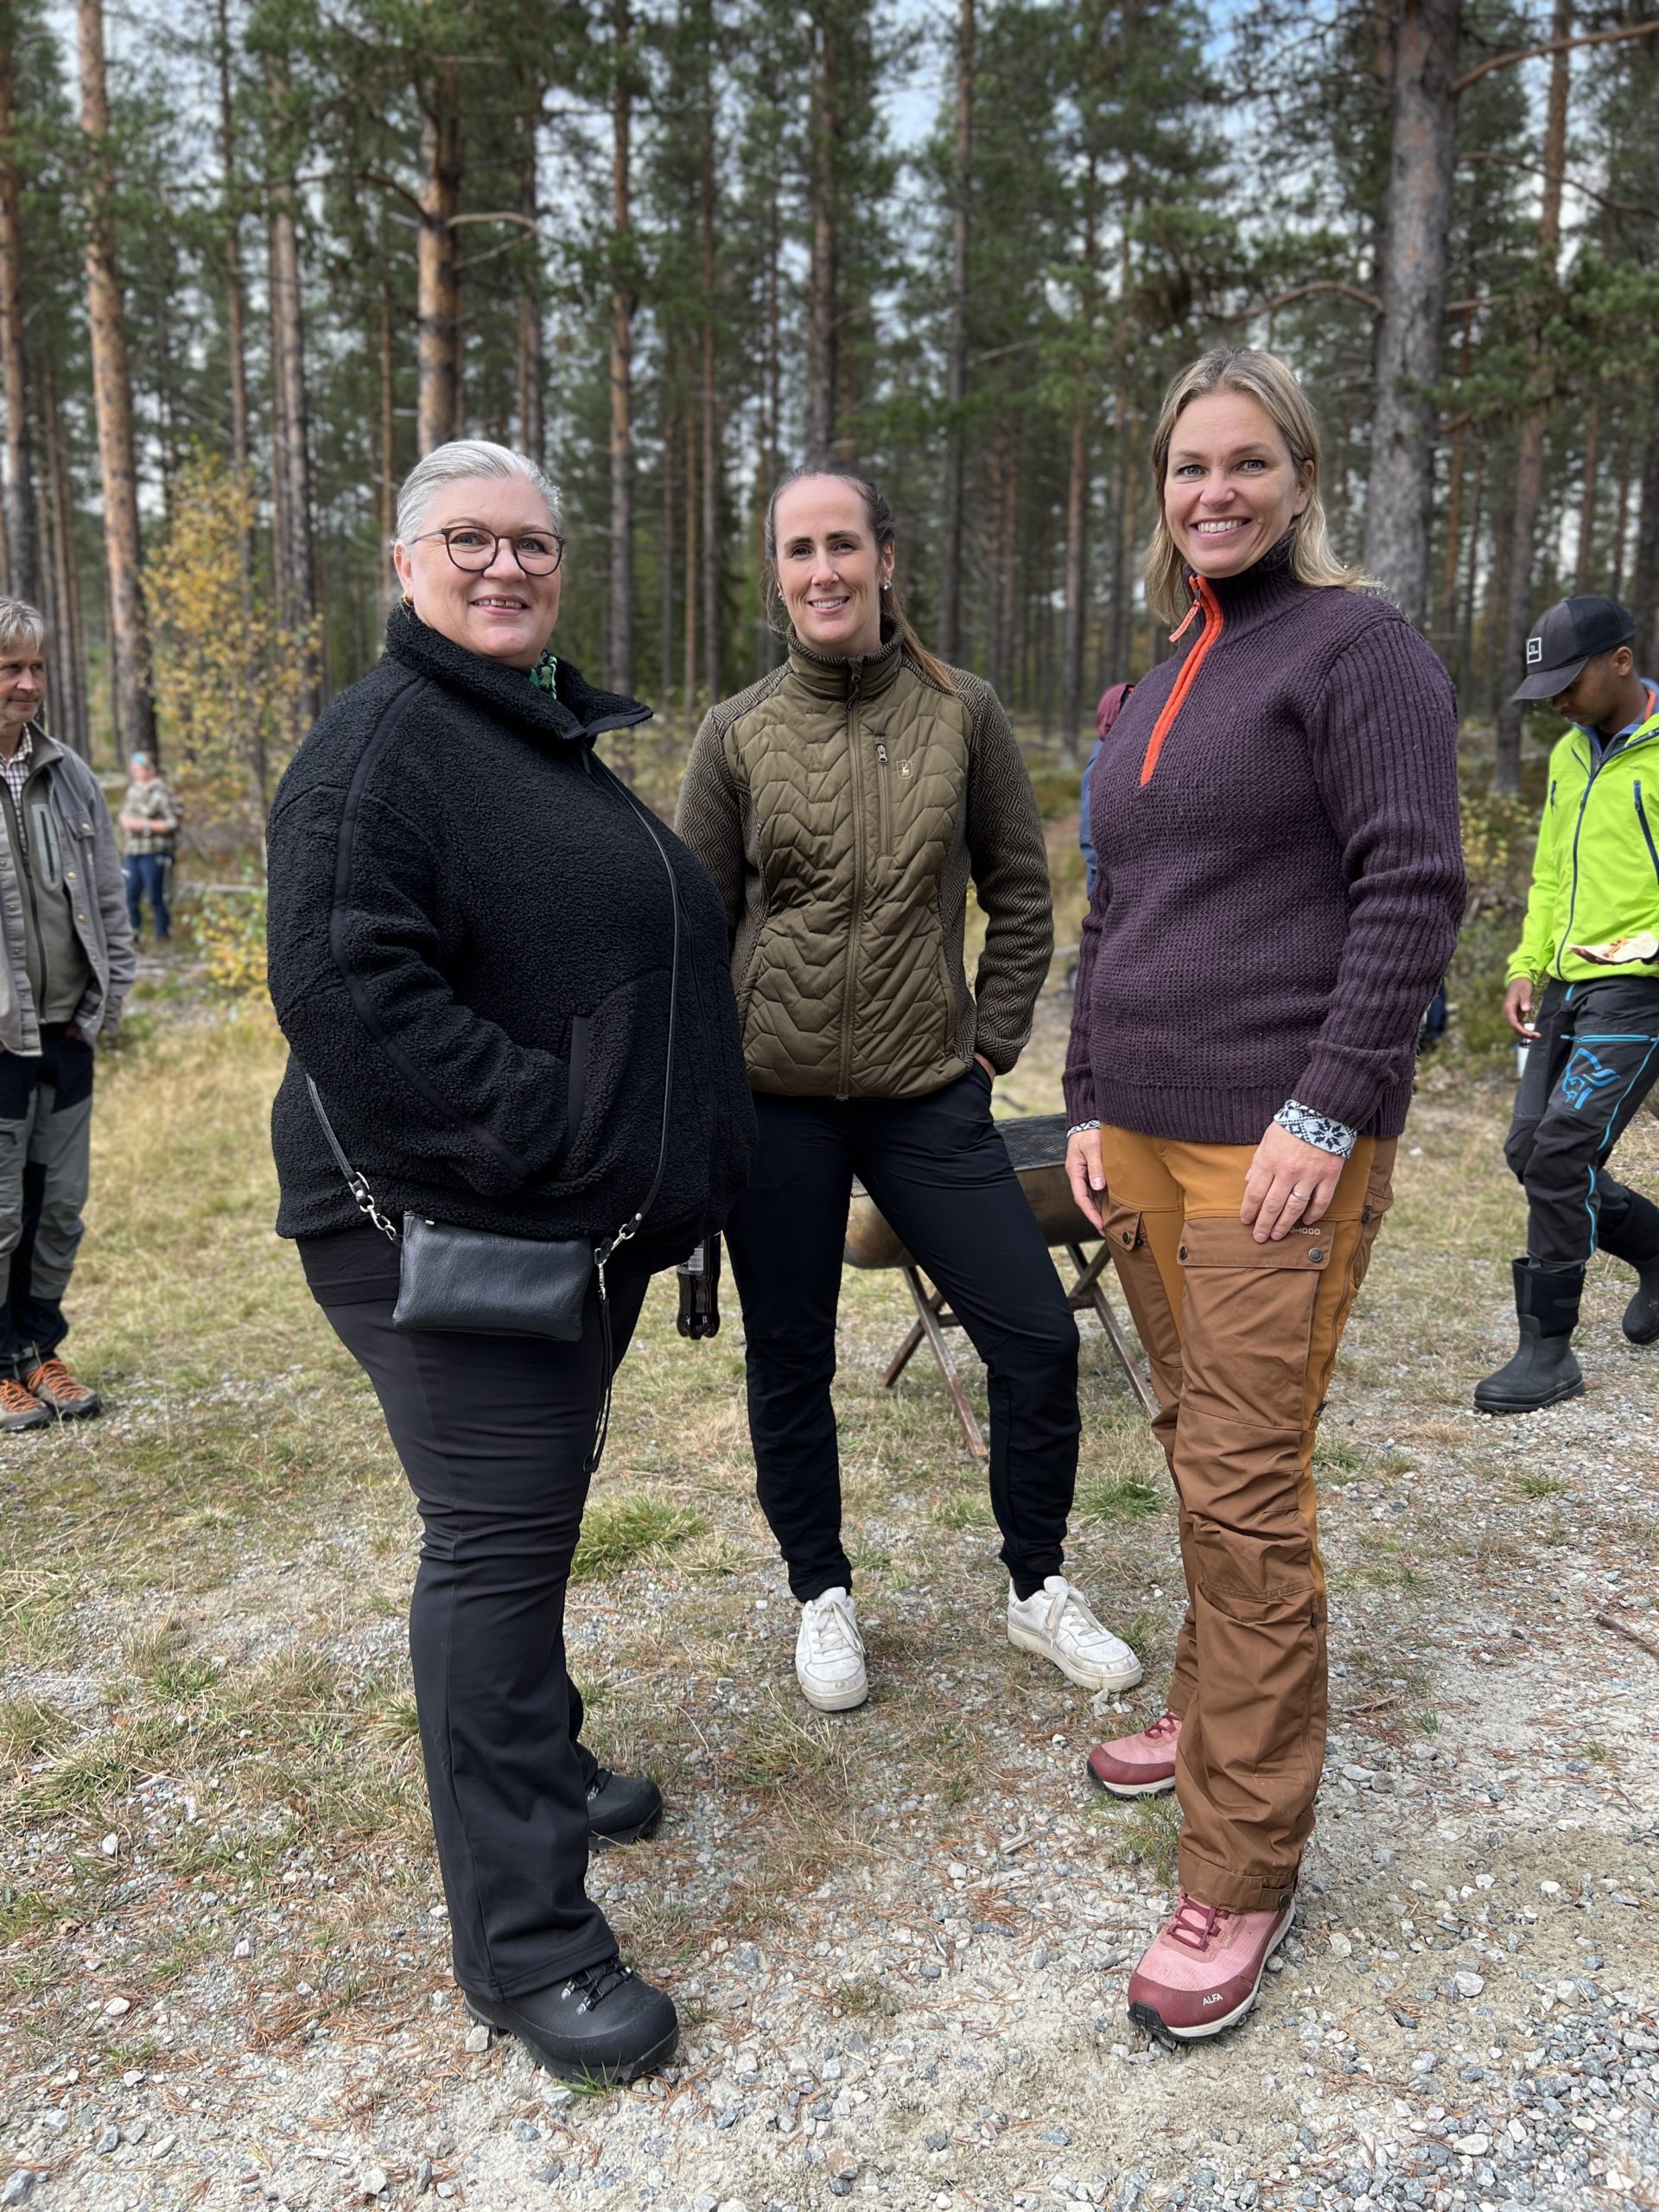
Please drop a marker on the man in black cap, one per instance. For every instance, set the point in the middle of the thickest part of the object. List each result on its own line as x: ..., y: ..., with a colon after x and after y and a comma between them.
x: 1592, y: 941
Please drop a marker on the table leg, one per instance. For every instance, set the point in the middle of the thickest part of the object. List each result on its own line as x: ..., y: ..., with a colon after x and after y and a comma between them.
x: 927, y: 1321
x: 1089, y: 1272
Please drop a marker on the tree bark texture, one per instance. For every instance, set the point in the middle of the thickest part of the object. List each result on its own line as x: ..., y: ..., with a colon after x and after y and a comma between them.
x: 436, y: 273
x: 956, y: 445
x: 23, y: 574
x: 235, y: 286
x: 1413, y: 290
x: 60, y: 566
x: 620, y: 653
x: 711, y: 470
x: 822, y: 373
x: 135, y: 711
x: 295, y: 558
x: 1077, y: 510
x: 1645, y: 578
x: 688, y: 589
x: 1530, y: 456
x: 532, y: 406
x: 385, y: 485
x: 1585, y: 567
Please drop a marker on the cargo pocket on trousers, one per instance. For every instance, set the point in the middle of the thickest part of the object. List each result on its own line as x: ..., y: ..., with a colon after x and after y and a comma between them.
x: 1266, y: 1654
x: 1143, y: 1287
x: 1249, y: 1317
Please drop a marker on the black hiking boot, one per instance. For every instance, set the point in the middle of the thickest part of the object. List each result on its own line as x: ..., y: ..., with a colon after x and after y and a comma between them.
x: 1543, y: 1372
x: 622, y: 1808
x: 1636, y: 1241
x: 602, y: 2025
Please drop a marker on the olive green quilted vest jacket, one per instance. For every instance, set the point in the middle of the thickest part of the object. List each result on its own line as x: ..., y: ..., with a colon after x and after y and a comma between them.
x: 841, y: 807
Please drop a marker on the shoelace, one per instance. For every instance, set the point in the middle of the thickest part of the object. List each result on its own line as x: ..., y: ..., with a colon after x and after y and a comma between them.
x: 602, y: 1780
x: 831, y: 1630
x: 1193, y: 1923
x: 56, y: 1376
x: 594, y: 1984
x: 1167, y: 1724
x: 1070, y: 1600
x: 13, y: 1397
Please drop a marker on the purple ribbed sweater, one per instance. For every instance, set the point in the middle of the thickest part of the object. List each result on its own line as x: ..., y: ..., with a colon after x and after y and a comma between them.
x: 1279, y: 896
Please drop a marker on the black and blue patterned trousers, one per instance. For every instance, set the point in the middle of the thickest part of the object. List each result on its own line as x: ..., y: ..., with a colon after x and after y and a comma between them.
x: 1596, y: 1059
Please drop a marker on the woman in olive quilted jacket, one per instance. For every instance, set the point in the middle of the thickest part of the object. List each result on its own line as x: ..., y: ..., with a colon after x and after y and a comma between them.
x: 843, y: 805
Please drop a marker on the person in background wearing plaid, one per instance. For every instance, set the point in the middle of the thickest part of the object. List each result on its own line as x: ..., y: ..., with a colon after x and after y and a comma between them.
x: 65, y: 966
x: 150, y: 823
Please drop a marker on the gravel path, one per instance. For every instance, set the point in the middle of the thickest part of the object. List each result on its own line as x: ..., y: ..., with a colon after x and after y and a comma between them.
x: 900, y: 1939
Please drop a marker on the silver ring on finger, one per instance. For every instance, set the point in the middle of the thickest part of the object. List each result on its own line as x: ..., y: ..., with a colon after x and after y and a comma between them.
x: 1301, y: 1195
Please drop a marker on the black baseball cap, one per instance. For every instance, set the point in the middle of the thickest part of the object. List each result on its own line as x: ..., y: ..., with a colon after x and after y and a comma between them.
x: 1572, y: 632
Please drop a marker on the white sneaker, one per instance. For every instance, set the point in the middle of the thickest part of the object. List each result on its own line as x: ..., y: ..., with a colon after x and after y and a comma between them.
x: 1056, y: 1621
x: 830, y: 1654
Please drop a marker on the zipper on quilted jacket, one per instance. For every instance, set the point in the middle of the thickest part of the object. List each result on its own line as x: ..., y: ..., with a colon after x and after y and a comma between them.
x: 844, y: 1080
x: 1214, y: 623
x: 883, y: 801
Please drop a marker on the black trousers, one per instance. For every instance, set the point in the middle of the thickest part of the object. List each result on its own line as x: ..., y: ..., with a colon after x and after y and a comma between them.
x: 493, y: 1433
x: 1596, y: 1058
x: 46, y: 1138
x: 940, y: 1173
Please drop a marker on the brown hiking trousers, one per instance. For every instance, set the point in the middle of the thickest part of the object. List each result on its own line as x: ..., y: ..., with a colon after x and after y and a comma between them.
x: 1242, y: 1338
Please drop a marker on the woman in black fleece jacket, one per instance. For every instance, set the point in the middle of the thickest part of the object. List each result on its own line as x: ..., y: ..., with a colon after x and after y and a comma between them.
x: 471, y: 951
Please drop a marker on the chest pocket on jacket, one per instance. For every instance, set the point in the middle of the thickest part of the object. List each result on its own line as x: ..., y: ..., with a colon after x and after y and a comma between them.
x: 45, y: 853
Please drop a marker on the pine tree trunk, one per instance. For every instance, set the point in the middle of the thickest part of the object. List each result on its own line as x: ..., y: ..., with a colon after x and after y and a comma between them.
x: 532, y: 409
x: 236, y: 339
x: 620, y: 653
x: 290, y: 460
x: 823, y: 370
x: 23, y: 568
x: 1008, y: 549
x: 1644, y: 580
x: 385, y: 487
x: 1529, y: 459
x: 1451, y: 552
x: 995, y: 526
x: 1462, y: 666
x: 437, y: 280
x: 1413, y: 288
x: 135, y: 712
x: 1621, y: 515
x: 60, y: 573
x: 767, y: 644
x: 1076, y: 508
x: 711, y: 471
x: 689, y: 585
x: 665, y: 587
x: 1587, y: 562
x: 955, y: 386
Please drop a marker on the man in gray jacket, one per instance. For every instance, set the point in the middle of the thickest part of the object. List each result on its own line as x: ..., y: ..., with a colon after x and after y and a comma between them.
x: 65, y: 966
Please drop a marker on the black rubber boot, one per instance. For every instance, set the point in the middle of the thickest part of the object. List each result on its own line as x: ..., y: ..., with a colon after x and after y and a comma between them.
x: 603, y: 2024
x: 621, y: 1808
x: 1636, y: 1241
x: 1543, y: 1371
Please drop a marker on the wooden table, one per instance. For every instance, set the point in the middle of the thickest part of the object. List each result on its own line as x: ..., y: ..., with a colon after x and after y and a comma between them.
x: 1036, y: 1145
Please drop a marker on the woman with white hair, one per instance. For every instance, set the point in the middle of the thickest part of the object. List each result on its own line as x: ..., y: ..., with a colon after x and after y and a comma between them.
x: 503, y: 981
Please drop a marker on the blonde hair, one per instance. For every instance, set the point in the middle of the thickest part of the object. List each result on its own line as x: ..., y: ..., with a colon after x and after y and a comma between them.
x: 879, y: 515
x: 1274, y: 386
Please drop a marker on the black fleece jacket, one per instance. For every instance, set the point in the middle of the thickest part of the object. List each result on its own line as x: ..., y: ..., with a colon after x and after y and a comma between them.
x: 470, y: 943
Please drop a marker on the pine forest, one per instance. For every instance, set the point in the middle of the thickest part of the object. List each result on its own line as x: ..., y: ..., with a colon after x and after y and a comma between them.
x: 255, y: 259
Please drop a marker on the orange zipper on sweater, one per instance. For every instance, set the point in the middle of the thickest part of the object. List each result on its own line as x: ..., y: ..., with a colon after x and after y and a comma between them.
x: 1177, y: 699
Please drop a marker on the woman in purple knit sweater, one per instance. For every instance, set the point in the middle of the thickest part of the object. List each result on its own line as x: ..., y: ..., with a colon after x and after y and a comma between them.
x: 1280, y: 889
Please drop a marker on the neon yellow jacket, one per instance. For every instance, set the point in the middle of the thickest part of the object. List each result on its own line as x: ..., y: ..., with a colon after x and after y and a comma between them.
x: 1596, y: 874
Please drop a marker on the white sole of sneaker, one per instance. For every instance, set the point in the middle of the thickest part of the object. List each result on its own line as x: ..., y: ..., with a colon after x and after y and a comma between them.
x: 836, y: 1700
x: 1086, y: 1678
x: 1131, y: 1789
x: 1145, y: 2017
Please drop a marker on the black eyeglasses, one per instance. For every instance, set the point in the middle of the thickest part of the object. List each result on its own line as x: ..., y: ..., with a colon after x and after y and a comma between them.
x: 538, y: 552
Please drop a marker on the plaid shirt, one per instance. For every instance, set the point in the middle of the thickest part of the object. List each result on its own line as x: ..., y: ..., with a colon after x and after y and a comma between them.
x: 155, y: 802
x: 17, y: 770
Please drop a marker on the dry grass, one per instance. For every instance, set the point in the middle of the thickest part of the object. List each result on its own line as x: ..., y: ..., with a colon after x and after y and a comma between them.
x: 201, y: 1598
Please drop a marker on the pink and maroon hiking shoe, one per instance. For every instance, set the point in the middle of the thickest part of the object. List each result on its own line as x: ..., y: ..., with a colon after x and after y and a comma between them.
x: 1142, y: 1765
x: 1204, y: 1971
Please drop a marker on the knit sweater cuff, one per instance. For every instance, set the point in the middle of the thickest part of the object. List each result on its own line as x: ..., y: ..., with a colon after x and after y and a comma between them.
x: 1344, y: 1088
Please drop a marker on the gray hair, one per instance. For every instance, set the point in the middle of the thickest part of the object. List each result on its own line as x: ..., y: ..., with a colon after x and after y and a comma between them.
x: 20, y: 623
x: 453, y: 464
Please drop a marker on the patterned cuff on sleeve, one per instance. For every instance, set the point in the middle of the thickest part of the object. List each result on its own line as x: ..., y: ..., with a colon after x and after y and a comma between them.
x: 1316, y: 1128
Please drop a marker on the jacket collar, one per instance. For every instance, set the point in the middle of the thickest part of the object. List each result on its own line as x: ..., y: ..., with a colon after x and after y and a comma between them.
x: 1266, y: 585
x: 576, y: 713
x: 865, y: 675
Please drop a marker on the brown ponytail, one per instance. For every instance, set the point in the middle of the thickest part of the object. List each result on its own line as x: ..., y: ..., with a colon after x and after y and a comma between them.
x: 879, y: 515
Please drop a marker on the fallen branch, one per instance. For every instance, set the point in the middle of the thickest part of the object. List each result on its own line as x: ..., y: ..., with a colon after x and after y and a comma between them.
x: 1606, y: 1620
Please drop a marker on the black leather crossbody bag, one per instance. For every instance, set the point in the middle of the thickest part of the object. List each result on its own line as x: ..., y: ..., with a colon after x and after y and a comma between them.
x: 481, y: 1282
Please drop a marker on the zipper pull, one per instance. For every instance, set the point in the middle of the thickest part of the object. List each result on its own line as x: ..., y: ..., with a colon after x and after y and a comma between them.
x: 1185, y: 623
x: 852, y: 681
x: 881, y: 753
